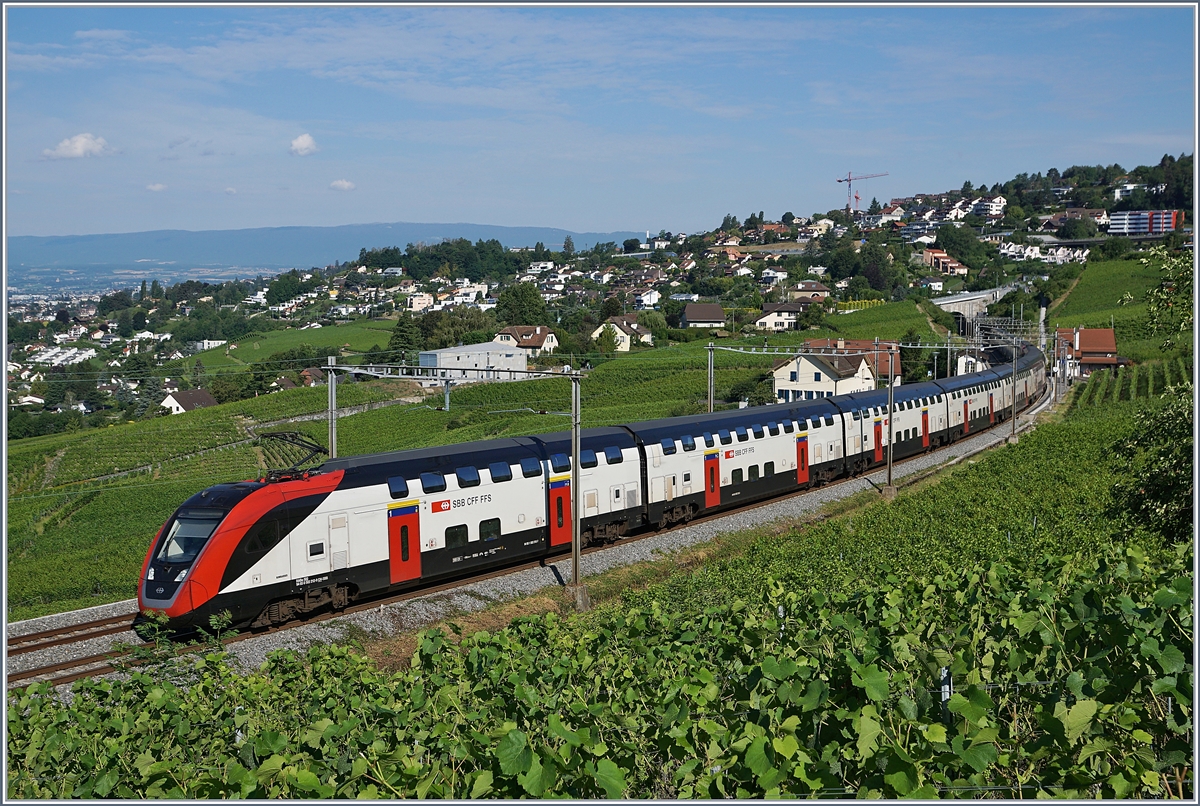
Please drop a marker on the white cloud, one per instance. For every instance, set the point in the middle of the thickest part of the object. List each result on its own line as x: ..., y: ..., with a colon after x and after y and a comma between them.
x: 81, y: 145
x: 231, y: 191
x: 341, y: 184
x: 104, y: 34
x: 304, y: 145
x: 157, y: 186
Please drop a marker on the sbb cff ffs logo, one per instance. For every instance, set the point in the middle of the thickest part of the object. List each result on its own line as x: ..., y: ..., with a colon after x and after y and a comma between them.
x: 441, y: 506
x: 728, y: 454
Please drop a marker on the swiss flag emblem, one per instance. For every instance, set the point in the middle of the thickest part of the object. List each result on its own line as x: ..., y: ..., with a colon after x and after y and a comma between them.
x: 441, y: 506
x: 728, y: 454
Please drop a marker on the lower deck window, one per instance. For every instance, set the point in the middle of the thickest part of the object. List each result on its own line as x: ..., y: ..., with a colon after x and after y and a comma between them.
x: 737, y: 476
x: 489, y: 529
x: 753, y: 473
x: 768, y: 469
x: 456, y: 536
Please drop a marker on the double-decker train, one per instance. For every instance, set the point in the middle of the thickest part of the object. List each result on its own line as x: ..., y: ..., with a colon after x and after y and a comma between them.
x: 273, y: 549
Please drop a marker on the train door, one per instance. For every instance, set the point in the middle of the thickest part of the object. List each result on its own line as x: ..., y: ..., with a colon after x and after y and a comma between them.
x: 802, y: 460
x: 924, y: 428
x: 712, y: 479
x: 591, y: 503
x: 991, y: 409
x: 879, y: 440
x: 669, y: 482
x: 967, y: 416
x: 339, y: 540
x: 560, y: 512
x: 404, y: 541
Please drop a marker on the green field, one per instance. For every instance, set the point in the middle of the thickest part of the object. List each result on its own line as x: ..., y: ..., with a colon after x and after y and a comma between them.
x: 360, y: 336
x: 1094, y: 302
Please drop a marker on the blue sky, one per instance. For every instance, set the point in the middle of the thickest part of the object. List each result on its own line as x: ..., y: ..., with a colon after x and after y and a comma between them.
x: 589, y: 119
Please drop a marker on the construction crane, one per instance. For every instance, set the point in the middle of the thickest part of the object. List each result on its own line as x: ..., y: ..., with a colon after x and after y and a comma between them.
x: 850, y: 180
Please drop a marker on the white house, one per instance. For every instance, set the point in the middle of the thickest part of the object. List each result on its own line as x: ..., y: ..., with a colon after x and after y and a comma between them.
x: 648, y: 299
x: 807, y: 377
x: 626, y: 330
x: 180, y: 402
x: 534, y: 339
x: 778, y: 316
x: 418, y: 302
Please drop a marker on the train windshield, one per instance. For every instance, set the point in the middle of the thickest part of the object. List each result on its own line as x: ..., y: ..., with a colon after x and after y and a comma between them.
x: 188, y: 534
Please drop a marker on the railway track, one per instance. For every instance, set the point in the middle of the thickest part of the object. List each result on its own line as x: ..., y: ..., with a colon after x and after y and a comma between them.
x: 67, y: 671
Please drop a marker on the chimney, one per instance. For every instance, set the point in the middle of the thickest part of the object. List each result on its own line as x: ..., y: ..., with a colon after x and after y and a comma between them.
x: 841, y: 344
x: 1077, y: 340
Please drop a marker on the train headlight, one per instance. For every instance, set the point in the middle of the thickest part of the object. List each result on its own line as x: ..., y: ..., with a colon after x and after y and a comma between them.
x: 182, y: 574
x: 150, y: 573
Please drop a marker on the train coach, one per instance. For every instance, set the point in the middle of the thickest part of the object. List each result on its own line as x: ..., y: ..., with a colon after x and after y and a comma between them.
x: 273, y: 549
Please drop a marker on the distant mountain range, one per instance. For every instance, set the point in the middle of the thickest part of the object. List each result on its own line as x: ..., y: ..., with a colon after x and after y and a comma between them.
x: 172, y: 255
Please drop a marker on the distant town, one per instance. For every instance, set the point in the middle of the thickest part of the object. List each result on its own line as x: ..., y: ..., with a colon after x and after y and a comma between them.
x: 140, y: 351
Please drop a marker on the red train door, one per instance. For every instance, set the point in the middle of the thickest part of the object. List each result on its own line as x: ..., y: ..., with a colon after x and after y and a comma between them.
x: 802, y: 460
x: 966, y: 416
x: 712, y: 479
x: 404, y: 541
x: 560, y: 512
x: 879, y: 440
x: 924, y: 428
x: 991, y: 409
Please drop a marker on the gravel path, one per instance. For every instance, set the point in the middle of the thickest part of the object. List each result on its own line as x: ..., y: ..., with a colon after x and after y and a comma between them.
x: 475, y: 596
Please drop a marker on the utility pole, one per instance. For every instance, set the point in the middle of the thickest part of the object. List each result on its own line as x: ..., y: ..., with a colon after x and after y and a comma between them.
x: 1012, y: 440
x: 446, y: 385
x: 889, y: 491
x: 331, y: 382
x: 582, y: 600
x: 711, y: 380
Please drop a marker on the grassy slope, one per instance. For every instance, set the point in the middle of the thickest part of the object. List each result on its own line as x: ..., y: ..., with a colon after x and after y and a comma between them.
x: 361, y: 336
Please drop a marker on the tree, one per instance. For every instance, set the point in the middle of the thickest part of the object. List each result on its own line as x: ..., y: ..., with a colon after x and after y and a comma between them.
x: 631, y: 245
x: 611, y: 307
x: 125, y: 324
x: 568, y: 247
x: 139, y: 319
x: 63, y: 315
x: 606, y: 343
x: 142, y: 293
x: 1169, y: 304
x: 875, y: 207
x: 912, y: 359
x: 522, y: 304
x: 156, y: 290
x: 967, y: 188
x: 406, y: 336
x: 198, y: 376
x: 656, y: 323
x: 1074, y: 229
x: 730, y: 223
x: 787, y: 219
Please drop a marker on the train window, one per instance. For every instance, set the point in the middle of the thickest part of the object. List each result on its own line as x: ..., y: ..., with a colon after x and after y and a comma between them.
x: 467, y: 477
x: 773, y: 429
x: 757, y: 430
x: 587, y: 458
x: 558, y: 501
x: 560, y: 462
x: 403, y: 544
x: 530, y: 467
x: 316, y: 550
x: 689, y: 443
x: 708, y: 440
x: 787, y: 426
x: 433, y: 482
x: 741, y: 433
x: 500, y: 471
x: 668, y: 446
x: 687, y: 477
x: 768, y: 470
x: 456, y: 536
x: 737, y: 476
x: 725, y: 436
x: 612, y: 455
x: 489, y: 529
x: 263, y: 537
x: 828, y: 419
x: 855, y: 415
x: 814, y: 422
x: 753, y: 473
x: 398, y: 487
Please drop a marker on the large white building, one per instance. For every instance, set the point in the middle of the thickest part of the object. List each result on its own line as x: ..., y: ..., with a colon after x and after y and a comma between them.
x: 1144, y: 222
x: 807, y: 377
x: 475, y: 362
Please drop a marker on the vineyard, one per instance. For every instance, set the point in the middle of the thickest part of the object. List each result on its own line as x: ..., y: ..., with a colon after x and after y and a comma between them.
x: 361, y: 336
x: 992, y: 636
x: 1133, y: 382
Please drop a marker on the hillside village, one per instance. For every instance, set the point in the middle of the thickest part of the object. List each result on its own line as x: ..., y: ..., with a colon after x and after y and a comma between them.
x: 89, y: 360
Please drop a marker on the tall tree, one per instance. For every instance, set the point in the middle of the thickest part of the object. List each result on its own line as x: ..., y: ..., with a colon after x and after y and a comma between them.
x: 875, y: 207
x: 522, y: 304
x: 568, y: 247
x: 406, y: 336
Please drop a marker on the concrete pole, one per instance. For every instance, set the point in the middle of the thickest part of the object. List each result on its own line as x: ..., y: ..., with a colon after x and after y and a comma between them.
x: 582, y: 601
x: 446, y: 384
x: 889, y: 490
x: 1013, y: 438
x: 331, y: 381
x: 711, y: 379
